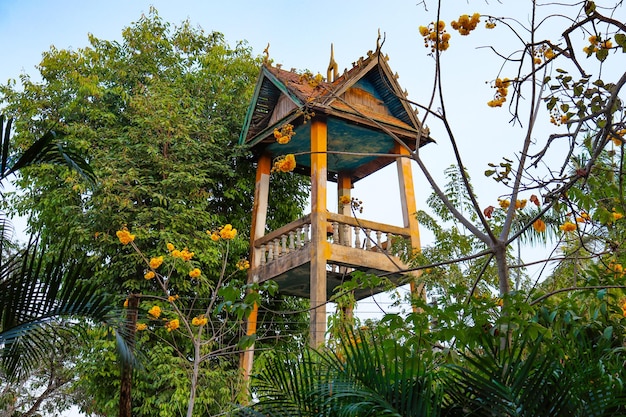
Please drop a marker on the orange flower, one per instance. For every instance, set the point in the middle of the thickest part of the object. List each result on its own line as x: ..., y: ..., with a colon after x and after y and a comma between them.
x: 539, y: 226
x: 141, y: 326
x: 172, y: 325
x: 195, y: 273
x: 156, y: 262
x: 124, y: 236
x: 149, y: 275
x: 155, y: 311
x: 568, y: 226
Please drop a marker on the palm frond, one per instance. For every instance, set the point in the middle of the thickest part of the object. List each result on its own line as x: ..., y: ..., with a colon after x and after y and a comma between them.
x: 37, y: 292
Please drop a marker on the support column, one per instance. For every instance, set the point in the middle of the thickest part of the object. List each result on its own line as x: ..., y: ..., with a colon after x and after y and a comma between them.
x: 320, y: 249
x: 257, y: 230
x: 344, y: 188
x: 409, y: 207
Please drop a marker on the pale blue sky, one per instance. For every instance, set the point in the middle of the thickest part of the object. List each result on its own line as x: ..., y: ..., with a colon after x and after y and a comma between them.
x: 300, y: 34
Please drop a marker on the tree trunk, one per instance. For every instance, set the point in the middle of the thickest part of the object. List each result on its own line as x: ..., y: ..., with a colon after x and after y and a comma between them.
x: 503, y: 269
x: 126, y: 378
x: 194, y: 377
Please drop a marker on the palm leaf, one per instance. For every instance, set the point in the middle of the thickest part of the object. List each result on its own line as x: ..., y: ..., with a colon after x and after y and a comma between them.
x: 37, y: 292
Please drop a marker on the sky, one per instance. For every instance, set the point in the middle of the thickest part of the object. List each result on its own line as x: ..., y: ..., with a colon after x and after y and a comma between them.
x: 300, y: 35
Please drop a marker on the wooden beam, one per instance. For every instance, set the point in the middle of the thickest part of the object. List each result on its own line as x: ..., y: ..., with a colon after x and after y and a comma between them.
x: 319, y: 246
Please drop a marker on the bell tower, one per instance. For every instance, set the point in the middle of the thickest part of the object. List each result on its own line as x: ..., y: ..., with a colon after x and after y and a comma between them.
x: 345, y: 127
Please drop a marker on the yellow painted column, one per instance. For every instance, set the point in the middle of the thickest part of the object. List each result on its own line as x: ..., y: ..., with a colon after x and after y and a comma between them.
x: 409, y: 206
x: 257, y: 230
x: 320, y: 248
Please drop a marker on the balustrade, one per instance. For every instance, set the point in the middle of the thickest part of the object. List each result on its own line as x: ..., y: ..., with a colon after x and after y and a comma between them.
x: 346, y: 231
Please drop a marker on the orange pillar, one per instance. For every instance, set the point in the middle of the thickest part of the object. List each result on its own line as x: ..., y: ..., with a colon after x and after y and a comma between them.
x: 319, y: 246
x: 257, y: 230
x: 409, y: 207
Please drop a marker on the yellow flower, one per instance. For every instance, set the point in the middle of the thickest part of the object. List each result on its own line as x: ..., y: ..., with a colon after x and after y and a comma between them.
x: 539, y: 226
x: 504, y: 203
x: 616, y: 215
x: 227, y: 232
x: 215, y: 237
x: 170, y: 247
x: 156, y: 262
x: 195, y: 273
x: 285, y: 163
x: 243, y: 264
x: 172, y: 325
x: 423, y: 30
x: 141, y: 326
x: 155, y: 311
x: 549, y: 54
x: 126, y: 303
x: 568, y: 226
x: 199, y: 321
x: 520, y: 204
x: 584, y: 217
x: 149, y: 275
x: 344, y: 199
x: 124, y: 236
x: 186, y: 255
x: 172, y: 298
x: 177, y: 254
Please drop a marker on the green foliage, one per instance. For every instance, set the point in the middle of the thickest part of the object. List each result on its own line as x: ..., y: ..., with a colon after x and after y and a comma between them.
x: 158, y: 115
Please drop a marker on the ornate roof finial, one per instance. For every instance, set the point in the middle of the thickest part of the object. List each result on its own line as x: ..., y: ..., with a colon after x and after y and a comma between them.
x: 266, y: 51
x: 332, y: 66
x: 378, y: 41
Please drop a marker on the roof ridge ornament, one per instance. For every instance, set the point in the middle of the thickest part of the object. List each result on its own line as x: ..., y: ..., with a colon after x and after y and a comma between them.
x: 332, y: 65
x: 266, y: 51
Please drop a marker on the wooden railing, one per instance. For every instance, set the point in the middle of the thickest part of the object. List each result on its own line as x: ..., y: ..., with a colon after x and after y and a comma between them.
x: 341, y: 230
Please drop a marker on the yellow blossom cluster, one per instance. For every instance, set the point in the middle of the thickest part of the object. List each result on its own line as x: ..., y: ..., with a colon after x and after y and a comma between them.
x: 616, y: 215
x: 156, y: 262
x: 616, y: 268
x: 435, y: 36
x: 149, y: 275
x: 125, y: 236
x: 556, y: 118
x: 623, y: 305
x: 243, y: 264
x: 199, y: 320
x: 155, y: 312
x: 172, y: 325
x: 284, y: 134
x: 490, y: 23
x: 618, y: 138
x: 568, y: 227
x: 344, y: 199
x: 195, y: 273
x: 286, y: 163
x: 466, y: 23
x: 227, y: 232
x: 184, y: 254
x: 544, y: 52
x: 141, y: 326
x: 172, y: 298
x: 502, y: 89
x: 583, y: 218
x: 596, y: 43
x: 539, y: 226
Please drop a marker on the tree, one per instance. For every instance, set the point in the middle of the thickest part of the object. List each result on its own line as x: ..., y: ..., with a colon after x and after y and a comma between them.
x: 502, y: 346
x: 158, y: 115
x: 39, y: 292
